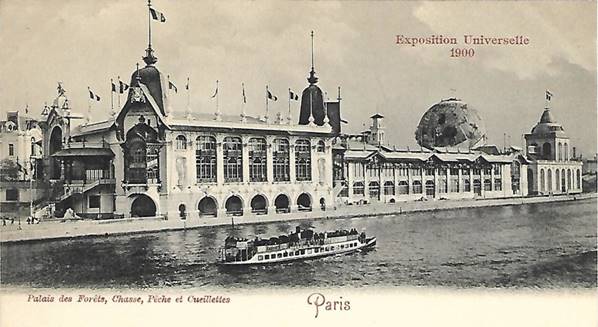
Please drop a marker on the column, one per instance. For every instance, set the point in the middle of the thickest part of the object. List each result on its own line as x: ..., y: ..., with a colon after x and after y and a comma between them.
x: 492, y: 179
x: 482, y: 182
x: 350, y: 178
x: 245, y: 154
x: 460, y: 180
x: 219, y: 160
x: 269, y: 161
x: 436, y: 188
x: 471, y: 179
x: 292, y: 170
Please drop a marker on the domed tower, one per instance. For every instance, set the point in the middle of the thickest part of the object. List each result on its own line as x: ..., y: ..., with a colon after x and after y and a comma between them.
x: 547, y: 140
x: 312, y: 98
x: 450, y: 123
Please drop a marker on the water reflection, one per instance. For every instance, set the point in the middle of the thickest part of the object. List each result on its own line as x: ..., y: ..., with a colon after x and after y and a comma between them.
x: 487, y: 247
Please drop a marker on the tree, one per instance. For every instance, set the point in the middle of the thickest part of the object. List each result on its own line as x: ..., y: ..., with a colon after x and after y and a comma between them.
x: 9, y: 171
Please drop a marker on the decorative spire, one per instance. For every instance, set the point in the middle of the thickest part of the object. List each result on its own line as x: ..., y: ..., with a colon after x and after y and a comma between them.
x: 326, y: 120
x: 312, y: 74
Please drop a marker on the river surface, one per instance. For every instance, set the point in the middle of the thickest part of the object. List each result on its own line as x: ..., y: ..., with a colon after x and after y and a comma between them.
x: 550, y: 245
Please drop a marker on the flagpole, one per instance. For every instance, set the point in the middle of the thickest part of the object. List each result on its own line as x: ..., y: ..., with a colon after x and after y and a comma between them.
x: 119, y: 93
x: 188, y: 100
x: 289, y: 116
x: 88, y: 106
x: 266, y: 117
x: 243, y: 113
x: 112, y: 90
x: 149, y: 23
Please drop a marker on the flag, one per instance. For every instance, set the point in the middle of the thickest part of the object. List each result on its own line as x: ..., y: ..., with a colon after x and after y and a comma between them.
x: 122, y: 87
x: 172, y: 87
x: 548, y: 95
x: 93, y: 96
x: 244, y: 98
x: 271, y: 97
x: 215, y: 92
x: 27, y: 109
x: 344, y: 121
x: 113, y: 87
x: 156, y: 15
x: 187, y: 85
x: 293, y: 96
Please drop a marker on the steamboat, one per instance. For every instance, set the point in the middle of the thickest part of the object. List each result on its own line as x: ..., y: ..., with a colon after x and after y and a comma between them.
x: 300, y: 245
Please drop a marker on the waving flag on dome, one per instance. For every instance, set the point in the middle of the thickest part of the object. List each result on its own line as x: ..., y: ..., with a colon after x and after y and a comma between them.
x: 122, y: 87
x: 215, y: 92
x: 272, y: 97
x: 156, y: 15
x: 548, y: 95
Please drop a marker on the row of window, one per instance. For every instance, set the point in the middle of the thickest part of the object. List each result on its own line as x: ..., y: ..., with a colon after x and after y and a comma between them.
x: 286, y: 254
x: 206, y: 166
x: 388, y: 171
x: 403, y: 186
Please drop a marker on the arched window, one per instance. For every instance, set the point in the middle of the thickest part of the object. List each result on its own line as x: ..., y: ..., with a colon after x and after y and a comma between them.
x: 257, y: 160
x: 205, y: 159
x: 578, y: 186
x: 404, y: 187
x: 549, y: 180
x: 302, y: 160
x: 181, y: 142
x: 358, y: 188
x: 430, y: 188
x: 321, y: 146
x: 374, y: 188
x: 487, y: 184
x: 466, y: 185
x: 566, y: 156
x: 417, y: 187
x: 233, y: 159
x: 547, y: 151
x: 542, y: 181
x: 389, y: 188
x: 568, y: 179
x: 281, y: 163
x: 560, y: 151
x: 557, y: 180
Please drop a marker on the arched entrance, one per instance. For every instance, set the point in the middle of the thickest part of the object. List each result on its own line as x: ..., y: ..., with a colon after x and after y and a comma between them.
x: 530, y: 181
x: 207, y: 207
x: 143, y: 206
x: 259, y: 204
x: 182, y: 211
x: 430, y: 188
x: 282, y: 203
x: 234, y: 206
x: 322, y: 203
x: 374, y: 189
x: 55, y: 146
x: 304, y: 202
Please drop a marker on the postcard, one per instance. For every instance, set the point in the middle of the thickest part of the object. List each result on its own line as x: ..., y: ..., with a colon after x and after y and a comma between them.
x: 305, y: 162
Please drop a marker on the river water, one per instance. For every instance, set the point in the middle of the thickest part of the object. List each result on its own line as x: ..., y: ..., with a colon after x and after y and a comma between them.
x: 549, y: 245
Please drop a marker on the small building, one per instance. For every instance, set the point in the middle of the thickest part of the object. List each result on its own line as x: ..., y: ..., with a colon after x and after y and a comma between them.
x: 553, y: 168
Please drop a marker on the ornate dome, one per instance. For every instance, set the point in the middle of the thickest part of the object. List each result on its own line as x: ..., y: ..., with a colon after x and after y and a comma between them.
x: 548, y: 125
x: 312, y: 102
x: 151, y: 77
x: 450, y: 123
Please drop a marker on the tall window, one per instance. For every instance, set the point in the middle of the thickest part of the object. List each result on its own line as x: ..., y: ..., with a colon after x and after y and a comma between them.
x: 497, y: 170
x: 417, y: 187
x: 443, y: 187
x: 404, y: 187
x: 181, y: 142
x: 302, y: 160
x: 389, y: 188
x: 466, y: 185
x: 12, y: 194
x: 281, y: 163
x: 487, y: 184
x: 257, y: 160
x: 454, y: 185
x: 233, y: 159
x: 358, y: 188
x: 11, y: 150
x: 205, y: 159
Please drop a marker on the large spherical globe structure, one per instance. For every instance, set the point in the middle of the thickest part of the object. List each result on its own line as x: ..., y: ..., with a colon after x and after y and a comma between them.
x: 450, y: 123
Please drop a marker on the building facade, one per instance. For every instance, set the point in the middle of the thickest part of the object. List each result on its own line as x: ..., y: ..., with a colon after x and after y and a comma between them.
x: 148, y: 160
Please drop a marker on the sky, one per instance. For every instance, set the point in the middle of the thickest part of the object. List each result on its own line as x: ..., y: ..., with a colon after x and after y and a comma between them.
x: 85, y: 43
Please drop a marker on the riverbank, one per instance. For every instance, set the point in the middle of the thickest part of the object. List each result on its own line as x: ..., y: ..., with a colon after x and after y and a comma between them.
x: 59, y: 229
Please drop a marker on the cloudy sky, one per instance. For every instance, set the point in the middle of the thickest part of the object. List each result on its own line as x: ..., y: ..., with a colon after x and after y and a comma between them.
x: 85, y: 43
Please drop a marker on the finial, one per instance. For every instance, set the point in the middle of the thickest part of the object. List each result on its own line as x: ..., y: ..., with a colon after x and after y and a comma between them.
x: 149, y: 58
x: 312, y: 74
x: 138, y: 78
x: 326, y: 120
x: 339, y: 94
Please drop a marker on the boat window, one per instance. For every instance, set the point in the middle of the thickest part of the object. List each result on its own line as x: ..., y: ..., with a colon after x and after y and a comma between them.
x: 291, y: 253
x: 316, y: 250
x: 286, y: 254
x: 327, y: 249
x: 355, y: 244
x: 302, y: 251
x: 279, y: 255
x: 259, y: 257
x: 332, y: 248
x: 296, y: 252
x: 342, y: 246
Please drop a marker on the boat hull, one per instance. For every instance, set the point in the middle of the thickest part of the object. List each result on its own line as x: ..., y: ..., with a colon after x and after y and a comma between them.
x: 305, y: 253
